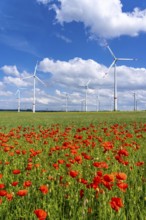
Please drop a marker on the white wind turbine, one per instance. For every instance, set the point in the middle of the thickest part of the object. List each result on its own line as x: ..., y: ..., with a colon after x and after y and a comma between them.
x: 134, y: 95
x: 18, y: 97
x: 98, y: 101
x: 34, y: 85
x: 67, y: 96
x: 115, y: 74
x: 86, y: 90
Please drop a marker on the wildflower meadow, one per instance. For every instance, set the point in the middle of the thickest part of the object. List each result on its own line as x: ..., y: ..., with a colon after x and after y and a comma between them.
x: 73, y: 166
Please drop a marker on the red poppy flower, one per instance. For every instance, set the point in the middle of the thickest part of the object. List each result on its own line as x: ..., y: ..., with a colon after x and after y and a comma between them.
x: 78, y: 159
x: 68, y: 165
x: 108, y: 177
x: 140, y: 163
x: 41, y: 214
x: 18, y: 151
x: 16, y: 171
x: 24, y: 152
x: 9, y: 196
x: 2, y: 185
x: 56, y: 166
x: 99, y: 173
x: 100, y: 164
x: 97, y: 180
x: 81, y: 193
x: 44, y: 189
x: 61, y: 161
x: 87, y: 157
x: 3, y: 192
x: 22, y: 192
x: 82, y: 180
x: 27, y: 183
x: 122, y: 186
x: 14, y: 183
x: 121, y: 176
x: 123, y: 152
x: 116, y: 203
x: 107, y: 146
x: 108, y: 185
x: 73, y: 173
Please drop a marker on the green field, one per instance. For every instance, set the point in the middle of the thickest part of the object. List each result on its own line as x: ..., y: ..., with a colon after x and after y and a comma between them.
x: 24, y: 118
x: 73, y: 166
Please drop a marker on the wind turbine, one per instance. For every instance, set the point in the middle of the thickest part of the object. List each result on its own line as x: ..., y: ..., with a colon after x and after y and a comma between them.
x: 34, y: 86
x: 86, y: 90
x: 67, y: 96
x: 18, y: 97
x: 113, y: 64
x: 134, y: 95
x: 98, y: 100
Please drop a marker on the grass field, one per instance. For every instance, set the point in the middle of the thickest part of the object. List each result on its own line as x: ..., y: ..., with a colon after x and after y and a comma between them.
x: 73, y: 166
x: 69, y: 117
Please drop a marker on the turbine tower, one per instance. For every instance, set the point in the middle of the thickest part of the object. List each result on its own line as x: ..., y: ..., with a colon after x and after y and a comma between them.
x: 34, y: 86
x: 115, y: 73
x: 98, y: 101
x: 86, y: 90
x: 67, y: 96
x: 134, y: 95
x: 18, y: 97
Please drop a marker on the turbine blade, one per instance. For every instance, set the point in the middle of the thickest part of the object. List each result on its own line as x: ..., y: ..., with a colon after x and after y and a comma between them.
x: 126, y: 59
x: 113, y: 55
x: 112, y: 64
x: 16, y: 92
x: 35, y: 69
x: 40, y: 80
x: 27, y: 77
x: 88, y: 82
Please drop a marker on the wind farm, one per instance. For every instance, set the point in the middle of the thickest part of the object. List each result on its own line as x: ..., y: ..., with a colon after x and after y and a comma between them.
x: 98, y: 54
x: 72, y: 110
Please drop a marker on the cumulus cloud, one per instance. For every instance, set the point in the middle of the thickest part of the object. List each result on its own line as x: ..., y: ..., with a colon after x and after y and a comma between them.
x: 72, y: 72
x: 10, y: 70
x: 15, y: 81
x: 105, y: 18
x: 75, y: 73
x: 5, y: 93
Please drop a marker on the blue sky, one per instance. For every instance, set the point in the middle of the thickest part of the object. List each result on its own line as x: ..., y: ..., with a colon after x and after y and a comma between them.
x: 68, y: 38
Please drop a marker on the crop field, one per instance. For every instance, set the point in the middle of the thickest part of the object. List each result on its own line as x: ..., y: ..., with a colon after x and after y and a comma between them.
x: 73, y: 166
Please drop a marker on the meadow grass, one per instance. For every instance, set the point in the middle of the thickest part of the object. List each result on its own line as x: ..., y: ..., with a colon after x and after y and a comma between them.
x: 43, y: 118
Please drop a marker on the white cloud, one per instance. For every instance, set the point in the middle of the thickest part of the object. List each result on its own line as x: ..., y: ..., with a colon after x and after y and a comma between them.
x: 15, y: 81
x: 43, y: 1
x: 72, y: 72
x: 10, y: 70
x: 104, y: 18
x: 5, y: 93
x: 58, y: 92
x: 75, y: 73
x: 64, y: 38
